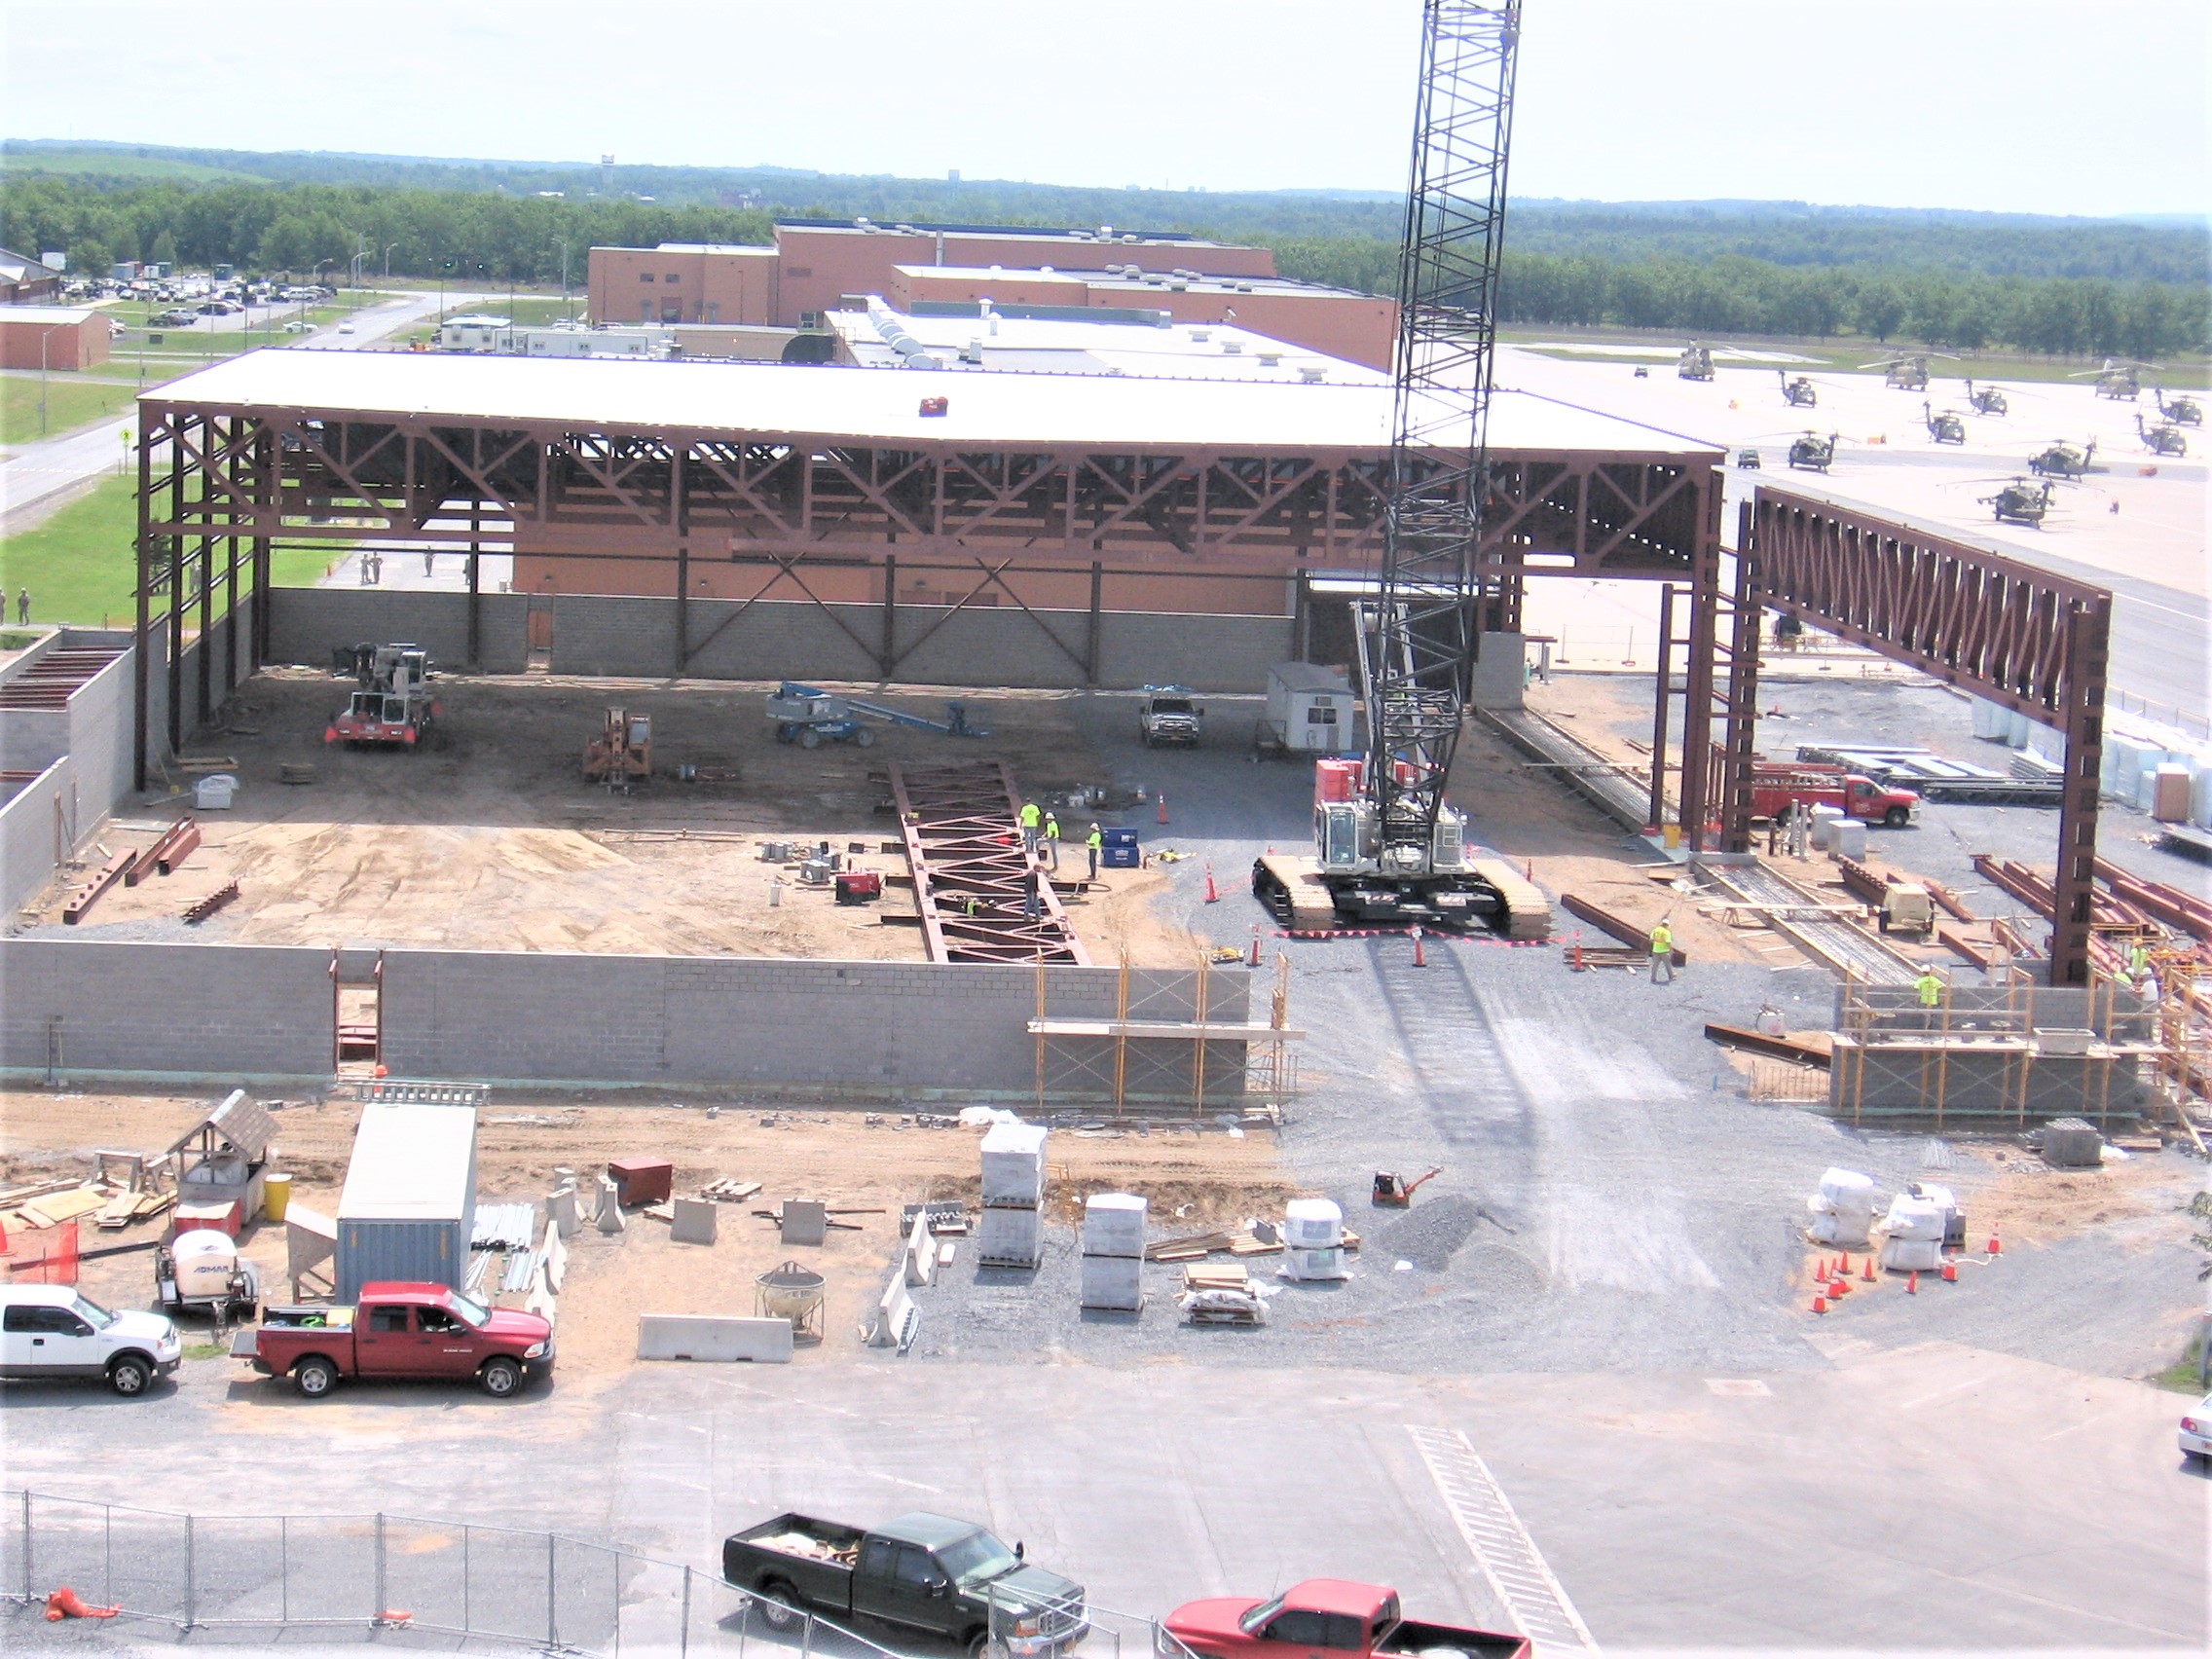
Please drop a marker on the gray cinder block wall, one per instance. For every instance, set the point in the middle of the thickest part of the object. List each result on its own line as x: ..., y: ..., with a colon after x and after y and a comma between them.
x: 306, y: 623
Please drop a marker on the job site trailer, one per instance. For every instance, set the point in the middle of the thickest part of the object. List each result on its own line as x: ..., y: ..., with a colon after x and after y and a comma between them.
x: 410, y: 1201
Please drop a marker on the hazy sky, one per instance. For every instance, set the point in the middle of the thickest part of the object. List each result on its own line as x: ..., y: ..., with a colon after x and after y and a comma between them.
x: 2056, y: 106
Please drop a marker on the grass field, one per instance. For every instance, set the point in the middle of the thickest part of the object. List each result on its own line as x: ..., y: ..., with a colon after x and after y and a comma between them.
x: 71, y: 401
x: 79, y: 568
x: 116, y: 164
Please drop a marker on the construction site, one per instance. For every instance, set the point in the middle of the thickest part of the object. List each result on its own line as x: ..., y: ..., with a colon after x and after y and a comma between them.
x: 1091, y: 889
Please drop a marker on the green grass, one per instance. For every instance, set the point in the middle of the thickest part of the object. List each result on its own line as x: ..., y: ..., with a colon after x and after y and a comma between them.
x: 79, y: 566
x: 117, y: 164
x: 71, y: 401
x: 2183, y: 1376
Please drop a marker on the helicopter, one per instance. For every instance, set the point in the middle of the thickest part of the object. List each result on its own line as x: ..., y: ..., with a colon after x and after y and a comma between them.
x: 1906, y: 374
x: 2117, y: 380
x: 2180, y: 410
x: 1944, y: 429
x: 1988, y: 400
x: 1695, y: 363
x: 2162, y: 439
x: 2062, y: 460
x: 2020, y: 502
x: 1798, y: 393
x: 1812, y: 453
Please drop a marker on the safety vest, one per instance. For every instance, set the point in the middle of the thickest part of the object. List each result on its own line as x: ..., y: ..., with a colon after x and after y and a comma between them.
x: 1931, y: 989
x: 1095, y: 839
x: 1662, y: 939
x: 2138, y: 959
x: 1051, y: 828
x: 1031, y: 816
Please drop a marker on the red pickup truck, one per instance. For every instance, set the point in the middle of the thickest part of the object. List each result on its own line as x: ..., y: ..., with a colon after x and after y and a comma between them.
x: 400, y: 1331
x: 1776, y: 787
x: 1324, y: 1618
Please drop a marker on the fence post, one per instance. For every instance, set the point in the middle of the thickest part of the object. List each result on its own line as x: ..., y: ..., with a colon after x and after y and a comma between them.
x: 467, y: 1602
x: 284, y: 1569
x: 806, y: 1638
x: 27, y: 1546
x: 552, y: 1620
x: 191, y: 1587
x: 684, y: 1627
x: 381, y: 1601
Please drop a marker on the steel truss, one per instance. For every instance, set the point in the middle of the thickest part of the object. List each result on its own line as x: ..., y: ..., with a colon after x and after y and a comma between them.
x: 2031, y: 642
x: 964, y: 845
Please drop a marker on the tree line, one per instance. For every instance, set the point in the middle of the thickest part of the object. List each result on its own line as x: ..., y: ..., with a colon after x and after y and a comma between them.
x: 1682, y: 271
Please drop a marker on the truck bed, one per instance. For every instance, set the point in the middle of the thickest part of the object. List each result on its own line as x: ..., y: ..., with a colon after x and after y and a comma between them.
x: 1411, y: 1637
x: 814, y: 1556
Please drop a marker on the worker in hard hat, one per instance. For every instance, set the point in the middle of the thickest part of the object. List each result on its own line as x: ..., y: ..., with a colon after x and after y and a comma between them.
x: 1930, y: 991
x: 1032, y: 822
x: 1051, y: 842
x: 1093, y: 841
x: 2138, y: 961
x: 1032, y: 886
x: 1662, y: 953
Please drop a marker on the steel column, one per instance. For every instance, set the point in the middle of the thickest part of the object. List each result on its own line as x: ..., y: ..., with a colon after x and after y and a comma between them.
x: 1658, y: 818
x: 2089, y: 644
x: 1697, y: 700
x: 1740, y: 739
x: 142, y: 637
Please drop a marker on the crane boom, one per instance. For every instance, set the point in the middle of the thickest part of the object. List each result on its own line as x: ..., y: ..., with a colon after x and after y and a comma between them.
x: 1421, y: 636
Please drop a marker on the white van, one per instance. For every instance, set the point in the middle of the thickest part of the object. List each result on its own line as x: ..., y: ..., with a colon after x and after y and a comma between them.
x: 49, y: 1330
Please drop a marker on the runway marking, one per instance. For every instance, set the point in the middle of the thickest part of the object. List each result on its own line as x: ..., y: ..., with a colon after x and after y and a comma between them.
x: 1500, y: 1544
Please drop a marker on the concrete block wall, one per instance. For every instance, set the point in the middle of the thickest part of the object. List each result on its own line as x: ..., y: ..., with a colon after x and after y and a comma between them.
x: 306, y: 623
x: 220, y: 1011
x: 34, y: 836
x: 99, y: 735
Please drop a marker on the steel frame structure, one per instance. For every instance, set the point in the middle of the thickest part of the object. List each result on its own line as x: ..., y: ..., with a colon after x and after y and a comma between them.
x: 2031, y: 642
x: 223, y: 485
x: 1422, y: 634
x: 963, y: 839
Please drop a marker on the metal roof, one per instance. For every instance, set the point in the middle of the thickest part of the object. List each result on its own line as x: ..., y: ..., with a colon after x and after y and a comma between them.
x: 238, y: 1122
x: 872, y: 405
x: 50, y: 315
x: 411, y: 1163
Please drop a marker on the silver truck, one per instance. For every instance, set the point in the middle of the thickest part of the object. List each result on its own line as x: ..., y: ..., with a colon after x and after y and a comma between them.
x: 1170, y: 716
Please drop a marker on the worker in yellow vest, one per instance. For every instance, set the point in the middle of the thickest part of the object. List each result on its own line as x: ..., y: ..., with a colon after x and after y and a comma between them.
x: 1662, y: 953
x: 1053, y: 842
x: 1094, y: 840
x: 1931, y: 989
x: 1032, y: 822
x: 2138, y: 961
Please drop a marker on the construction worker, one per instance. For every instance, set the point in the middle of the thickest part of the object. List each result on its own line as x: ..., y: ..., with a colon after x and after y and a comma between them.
x: 1931, y: 989
x: 1052, y: 843
x: 1094, y: 840
x: 1662, y: 953
x: 22, y: 605
x: 1032, y: 882
x: 1032, y: 820
x: 2138, y: 961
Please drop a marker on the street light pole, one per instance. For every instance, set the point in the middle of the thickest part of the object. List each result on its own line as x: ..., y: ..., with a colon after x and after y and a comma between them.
x: 389, y: 246
x: 565, y: 280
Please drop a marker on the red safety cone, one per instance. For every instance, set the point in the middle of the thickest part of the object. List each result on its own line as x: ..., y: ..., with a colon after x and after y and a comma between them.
x: 1819, y: 1304
x: 1838, y: 1288
x: 64, y: 1603
x: 1213, y: 893
x: 1163, y: 806
x: 1843, y: 1266
x: 1253, y: 961
x: 1996, y: 1244
x: 1867, y: 1273
x: 1912, y: 1283
x: 1950, y: 1273
x: 1421, y: 960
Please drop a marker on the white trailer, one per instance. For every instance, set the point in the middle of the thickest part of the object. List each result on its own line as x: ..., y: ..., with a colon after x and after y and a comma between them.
x: 1309, y: 710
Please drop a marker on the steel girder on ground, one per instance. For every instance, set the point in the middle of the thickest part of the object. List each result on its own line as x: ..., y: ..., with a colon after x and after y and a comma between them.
x: 2032, y: 642
x: 964, y: 844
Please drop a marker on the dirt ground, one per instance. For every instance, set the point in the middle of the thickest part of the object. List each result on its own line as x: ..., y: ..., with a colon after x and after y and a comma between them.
x: 490, y: 839
x: 1195, y: 1178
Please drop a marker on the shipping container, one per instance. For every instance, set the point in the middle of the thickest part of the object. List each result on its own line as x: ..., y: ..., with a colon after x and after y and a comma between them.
x: 410, y: 1199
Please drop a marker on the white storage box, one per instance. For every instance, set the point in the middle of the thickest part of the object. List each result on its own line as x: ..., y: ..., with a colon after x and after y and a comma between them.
x: 213, y: 793
x: 1113, y: 1224
x: 1313, y: 1265
x: 1013, y: 1165
x: 1912, y: 1255
x: 1312, y: 1224
x: 1115, y: 1283
x: 1848, y: 840
x: 1010, y: 1237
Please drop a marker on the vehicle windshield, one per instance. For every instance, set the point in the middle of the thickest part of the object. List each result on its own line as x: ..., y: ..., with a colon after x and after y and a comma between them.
x: 1258, y: 1615
x: 976, y: 1556
x: 475, y: 1312
x: 1172, y: 705
x: 93, y: 1313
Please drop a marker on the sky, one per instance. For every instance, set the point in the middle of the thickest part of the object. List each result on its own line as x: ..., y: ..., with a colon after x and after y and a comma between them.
x: 2091, y: 107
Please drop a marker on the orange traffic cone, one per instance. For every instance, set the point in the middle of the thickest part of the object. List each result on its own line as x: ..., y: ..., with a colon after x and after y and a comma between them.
x: 1843, y: 1265
x: 1163, y: 806
x: 64, y: 1603
x: 1253, y: 961
x: 1213, y: 894
x: 1421, y: 960
x: 1819, y: 1304
x: 1912, y: 1283
x: 1996, y: 1244
x: 1867, y: 1273
x: 1839, y: 1287
x: 1950, y: 1273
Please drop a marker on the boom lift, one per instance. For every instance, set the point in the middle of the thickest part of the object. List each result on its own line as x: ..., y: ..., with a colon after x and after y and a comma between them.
x: 1393, y: 851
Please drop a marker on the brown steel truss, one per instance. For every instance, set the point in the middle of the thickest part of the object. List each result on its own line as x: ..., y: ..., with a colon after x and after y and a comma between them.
x: 2031, y: 642
x: 964, y: 845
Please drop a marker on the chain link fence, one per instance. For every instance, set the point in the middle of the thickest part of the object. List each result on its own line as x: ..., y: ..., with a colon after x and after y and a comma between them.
x: 215, y: 1573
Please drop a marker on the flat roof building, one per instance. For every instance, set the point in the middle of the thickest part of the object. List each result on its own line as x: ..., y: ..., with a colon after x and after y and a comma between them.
x: 53, y: 336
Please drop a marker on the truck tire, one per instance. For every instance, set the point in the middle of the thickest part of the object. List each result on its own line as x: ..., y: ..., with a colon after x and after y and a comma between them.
x: 777, y: 1605
x: 810, y: 738
x: 130, y: 1374
x: 500, y: 1377
x: 315, y: 1377
x: 1898, y: 817
x: 977, y: 1642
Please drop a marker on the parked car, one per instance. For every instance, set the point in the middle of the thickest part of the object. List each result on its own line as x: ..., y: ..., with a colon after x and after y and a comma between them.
x: 400, y: 1330
x: 1322, y: 1618
x: 345, y: 328
x: 299, y: 326
x: 928, y: 1572
x: 49, y: 1330
x: 2196, y: 1431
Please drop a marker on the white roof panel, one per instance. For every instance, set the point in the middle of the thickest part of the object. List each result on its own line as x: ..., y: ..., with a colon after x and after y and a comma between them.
x: 410, y: 1164
x: 874, y: 404
x: 49, y: 315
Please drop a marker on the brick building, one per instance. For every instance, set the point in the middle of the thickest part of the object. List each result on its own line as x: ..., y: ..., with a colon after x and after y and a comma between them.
x: 69, y: 337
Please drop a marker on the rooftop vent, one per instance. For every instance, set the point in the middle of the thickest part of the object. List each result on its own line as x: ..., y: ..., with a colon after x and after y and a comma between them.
x: 1269, y: 359
x: 1233, y: 348
x: 1310, y: 372
x: 1202, y: 334
x: 1243, y: 287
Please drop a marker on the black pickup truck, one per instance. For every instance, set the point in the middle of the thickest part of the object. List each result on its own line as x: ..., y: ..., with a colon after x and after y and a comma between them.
x: 927, y: 1572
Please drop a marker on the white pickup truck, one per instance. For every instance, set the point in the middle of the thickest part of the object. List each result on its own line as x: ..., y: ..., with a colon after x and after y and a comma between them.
x: 51, y: 1331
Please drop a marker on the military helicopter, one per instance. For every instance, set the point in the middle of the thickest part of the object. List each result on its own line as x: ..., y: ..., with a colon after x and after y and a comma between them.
x: 1695, y: 363
x: 1945, y: 428
x: 1907, y: 374
x: 1798, y: 393
x: 2062, y: 460
x: 2020, y: 502
x: 1812, y: 453
x: 2117, y: 380
x: 1988, y: 400
x: 2162, y: 439
x: 2180, y: 410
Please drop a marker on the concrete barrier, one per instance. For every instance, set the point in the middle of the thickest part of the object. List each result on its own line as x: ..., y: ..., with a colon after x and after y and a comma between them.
x: 921, y: 1251
x: 712, y: 1336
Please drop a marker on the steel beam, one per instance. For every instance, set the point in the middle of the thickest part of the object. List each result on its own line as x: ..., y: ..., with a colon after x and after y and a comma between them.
x: 961, y: 826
